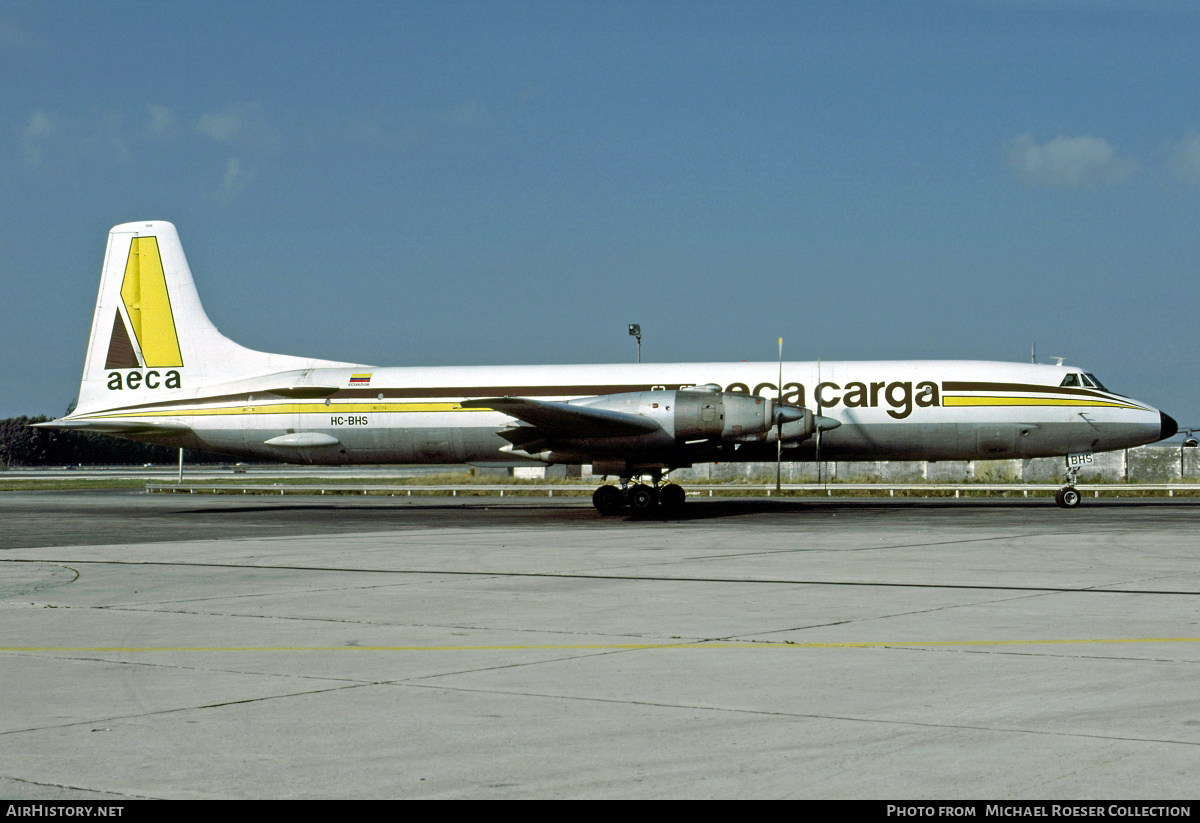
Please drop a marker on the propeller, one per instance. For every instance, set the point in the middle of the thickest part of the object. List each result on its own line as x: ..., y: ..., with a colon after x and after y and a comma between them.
x: 786, y: 414
x: 783, y: 414
x: 817, y: 393
x: 779, y: 425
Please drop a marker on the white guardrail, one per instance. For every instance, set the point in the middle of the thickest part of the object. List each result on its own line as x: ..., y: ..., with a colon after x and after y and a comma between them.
x: 693, y: 490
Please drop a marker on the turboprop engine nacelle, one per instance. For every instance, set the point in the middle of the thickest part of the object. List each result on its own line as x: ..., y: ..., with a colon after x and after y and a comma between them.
x: 705, y: 413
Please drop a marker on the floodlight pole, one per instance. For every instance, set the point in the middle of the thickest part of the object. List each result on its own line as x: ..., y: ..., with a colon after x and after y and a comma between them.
x: 635, y: 330
x: 1187, y: 436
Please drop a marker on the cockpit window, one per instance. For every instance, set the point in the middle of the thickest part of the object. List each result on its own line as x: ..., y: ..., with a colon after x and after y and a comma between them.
x: 1083, y: 380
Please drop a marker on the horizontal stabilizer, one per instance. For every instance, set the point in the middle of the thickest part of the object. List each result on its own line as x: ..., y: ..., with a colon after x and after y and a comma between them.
x: 139, y: 427
x: 566, y: 420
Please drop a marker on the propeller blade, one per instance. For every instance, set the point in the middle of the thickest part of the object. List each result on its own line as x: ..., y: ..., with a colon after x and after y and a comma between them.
x: 779, y: 421
x: 817, y: 458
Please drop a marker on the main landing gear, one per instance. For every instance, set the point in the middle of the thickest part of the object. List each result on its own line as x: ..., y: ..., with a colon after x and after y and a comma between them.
x: 1068, y: 497
x: 640, y: 497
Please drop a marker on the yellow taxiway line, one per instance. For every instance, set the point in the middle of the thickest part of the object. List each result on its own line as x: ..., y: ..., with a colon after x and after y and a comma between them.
x: 877, y: 644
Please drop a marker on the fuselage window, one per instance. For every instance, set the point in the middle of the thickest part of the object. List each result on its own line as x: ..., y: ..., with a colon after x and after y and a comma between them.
x: 1070, y: 380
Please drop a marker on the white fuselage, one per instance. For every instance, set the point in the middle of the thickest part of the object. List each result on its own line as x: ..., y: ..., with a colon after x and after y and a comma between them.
x: 935, y: 410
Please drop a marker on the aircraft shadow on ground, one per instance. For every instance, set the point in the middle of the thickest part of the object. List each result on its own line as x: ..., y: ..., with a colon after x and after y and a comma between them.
x: 707, y: 509
x: 693, y: 510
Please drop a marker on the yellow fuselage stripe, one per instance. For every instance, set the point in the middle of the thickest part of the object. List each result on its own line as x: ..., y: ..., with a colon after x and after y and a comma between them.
x: 954, y: 400
x: 296, y: 408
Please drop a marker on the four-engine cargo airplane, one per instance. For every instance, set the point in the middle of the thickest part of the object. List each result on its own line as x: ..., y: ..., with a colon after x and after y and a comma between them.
x: 157, y: 370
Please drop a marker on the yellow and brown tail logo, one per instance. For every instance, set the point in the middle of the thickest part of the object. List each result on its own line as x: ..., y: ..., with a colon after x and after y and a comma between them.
x: 150, y: 339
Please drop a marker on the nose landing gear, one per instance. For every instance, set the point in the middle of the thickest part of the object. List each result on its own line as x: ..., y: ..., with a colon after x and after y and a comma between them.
x: 1068, y: 497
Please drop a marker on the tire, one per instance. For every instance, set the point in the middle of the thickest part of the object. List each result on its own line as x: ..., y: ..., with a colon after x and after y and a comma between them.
x: 1069, y: 498
x: 642, y: 499
x: 608, y: 500
x: 671, y: 497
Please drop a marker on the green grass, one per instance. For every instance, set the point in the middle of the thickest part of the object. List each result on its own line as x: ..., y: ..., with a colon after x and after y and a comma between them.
x: 66, y: 484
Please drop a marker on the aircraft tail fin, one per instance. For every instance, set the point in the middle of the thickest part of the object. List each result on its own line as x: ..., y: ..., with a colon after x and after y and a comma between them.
x: 150, y: 334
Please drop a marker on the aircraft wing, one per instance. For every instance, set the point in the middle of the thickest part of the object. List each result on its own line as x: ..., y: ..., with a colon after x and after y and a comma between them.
x: 566, y: 420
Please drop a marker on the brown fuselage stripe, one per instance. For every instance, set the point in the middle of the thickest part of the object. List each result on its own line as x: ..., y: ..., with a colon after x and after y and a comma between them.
x: 496, y: 391
x: 432, y: 393
x: 958, y: 385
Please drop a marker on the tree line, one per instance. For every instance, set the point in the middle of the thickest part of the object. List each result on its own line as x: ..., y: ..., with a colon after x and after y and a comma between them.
x: 21, y: 445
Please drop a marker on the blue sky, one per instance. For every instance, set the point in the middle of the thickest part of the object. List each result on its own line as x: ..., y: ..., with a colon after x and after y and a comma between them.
x: 425, y: 183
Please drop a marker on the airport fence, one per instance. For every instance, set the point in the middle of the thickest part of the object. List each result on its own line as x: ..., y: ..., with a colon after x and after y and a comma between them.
x: 891, y: 490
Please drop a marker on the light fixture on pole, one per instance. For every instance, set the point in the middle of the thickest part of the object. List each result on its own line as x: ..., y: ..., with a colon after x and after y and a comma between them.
x: 636, y: 331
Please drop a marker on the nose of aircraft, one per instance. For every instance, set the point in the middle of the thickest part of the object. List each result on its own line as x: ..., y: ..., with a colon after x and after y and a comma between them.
x: 1169, y: 426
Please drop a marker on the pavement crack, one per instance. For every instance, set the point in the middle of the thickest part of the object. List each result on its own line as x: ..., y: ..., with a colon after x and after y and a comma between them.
x: 180, y: 709
x: 649, y: 578
x: 72, y: 788
x: 808, y: 715
x: 205, y: 669
x: 522, y: 664
x: 854, y: 621
x: 863, y: 548
x: 1015, y: 653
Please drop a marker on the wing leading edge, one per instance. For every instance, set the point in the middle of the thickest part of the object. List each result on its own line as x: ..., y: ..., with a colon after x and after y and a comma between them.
x: 567, y: 420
